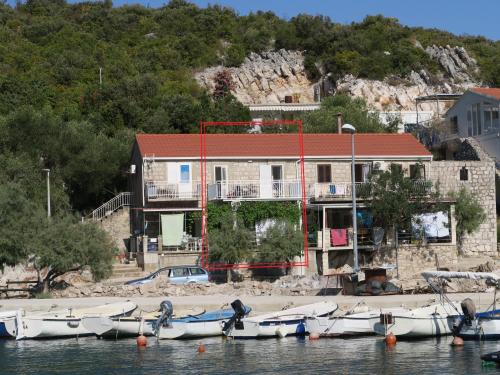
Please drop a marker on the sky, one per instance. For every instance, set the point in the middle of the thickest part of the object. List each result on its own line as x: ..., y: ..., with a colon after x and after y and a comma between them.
x: 479, y: 17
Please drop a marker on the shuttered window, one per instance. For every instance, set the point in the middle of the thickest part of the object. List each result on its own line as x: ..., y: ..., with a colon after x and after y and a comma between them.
x: 324, y: 173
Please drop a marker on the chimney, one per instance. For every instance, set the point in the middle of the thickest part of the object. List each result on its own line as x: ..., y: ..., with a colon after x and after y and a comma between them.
x: 340, y: 122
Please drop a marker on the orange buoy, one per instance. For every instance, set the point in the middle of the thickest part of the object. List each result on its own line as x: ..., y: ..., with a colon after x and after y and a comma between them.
x: 142, y: 340
x: 390, y: 339
x: 201, y: 348
x: 457, y: 341
x: 313, y: 336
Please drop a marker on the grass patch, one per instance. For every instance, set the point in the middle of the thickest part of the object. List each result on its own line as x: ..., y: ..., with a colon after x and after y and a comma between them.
x: 43, y: 295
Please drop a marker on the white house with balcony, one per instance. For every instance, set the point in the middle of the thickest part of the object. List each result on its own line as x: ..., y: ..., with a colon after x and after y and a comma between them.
x: 166, y: 184
x: 476, y: 114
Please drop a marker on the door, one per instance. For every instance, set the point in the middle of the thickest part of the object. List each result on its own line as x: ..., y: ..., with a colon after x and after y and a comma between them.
x: 221, y: 181
x: 185, y: 185
x: 266, y: 182
x: 277, y: 177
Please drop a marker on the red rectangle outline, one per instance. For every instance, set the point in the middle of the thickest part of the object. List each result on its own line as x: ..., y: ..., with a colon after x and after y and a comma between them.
x: 203, y: 170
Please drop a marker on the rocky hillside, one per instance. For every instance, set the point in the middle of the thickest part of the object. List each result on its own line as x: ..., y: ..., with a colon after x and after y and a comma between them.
x: 268, y: 77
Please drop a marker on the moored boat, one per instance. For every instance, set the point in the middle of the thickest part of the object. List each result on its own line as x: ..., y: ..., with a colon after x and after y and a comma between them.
x: 129, y: 326
x: 280, y: 323
x: 208, y: 324
x: 351, y: 324
x: 5, y: 317
x: 66, y: 323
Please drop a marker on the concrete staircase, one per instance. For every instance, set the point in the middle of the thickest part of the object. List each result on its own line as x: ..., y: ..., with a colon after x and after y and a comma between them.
x: 126, y: 272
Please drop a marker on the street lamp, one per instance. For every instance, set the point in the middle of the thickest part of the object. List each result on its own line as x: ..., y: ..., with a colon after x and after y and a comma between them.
x: 48, y: 190
x: 348, y: 128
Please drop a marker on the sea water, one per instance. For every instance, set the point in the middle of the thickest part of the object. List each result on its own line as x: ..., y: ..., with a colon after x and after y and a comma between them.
x: 291, y: 355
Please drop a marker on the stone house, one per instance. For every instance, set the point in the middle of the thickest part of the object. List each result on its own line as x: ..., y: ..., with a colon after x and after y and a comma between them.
x: 165, y: 183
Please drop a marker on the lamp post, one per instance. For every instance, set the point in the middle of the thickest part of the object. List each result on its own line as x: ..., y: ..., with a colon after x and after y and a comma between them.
x: 351, y: 129
x: 48, y: 190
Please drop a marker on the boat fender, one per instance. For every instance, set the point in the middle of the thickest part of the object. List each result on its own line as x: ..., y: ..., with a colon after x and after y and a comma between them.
x: 73, y: 323
x: 301, y: 329
x: 469, y: 310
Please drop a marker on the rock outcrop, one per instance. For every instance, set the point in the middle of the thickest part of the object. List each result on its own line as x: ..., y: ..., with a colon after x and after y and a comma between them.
x: 266, y: 78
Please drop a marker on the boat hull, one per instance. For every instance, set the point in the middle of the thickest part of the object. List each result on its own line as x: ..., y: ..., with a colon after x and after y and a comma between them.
x: 188, y: 330
x: 482, y: 329
x: 117, y: 328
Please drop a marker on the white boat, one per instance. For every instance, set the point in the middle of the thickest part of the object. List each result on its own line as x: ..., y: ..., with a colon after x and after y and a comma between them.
x: 471, y: 325
x: 66, y: 323
x: 203, y: 325
x: 427, y: 321
x: 127, y: 326
x: 350, y: 324
x: 279, y: 324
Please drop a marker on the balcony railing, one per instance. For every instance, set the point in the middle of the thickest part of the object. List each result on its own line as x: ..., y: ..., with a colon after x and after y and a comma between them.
x: 165, y: 191
x: 285, y: 189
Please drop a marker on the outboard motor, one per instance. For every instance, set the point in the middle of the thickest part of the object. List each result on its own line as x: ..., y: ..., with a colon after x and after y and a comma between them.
x: 167, y: 311
x: 469, y: 310
x: 469, y: 314
x: 235, y: 320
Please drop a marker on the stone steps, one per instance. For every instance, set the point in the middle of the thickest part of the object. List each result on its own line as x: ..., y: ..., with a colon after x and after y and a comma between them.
x: 121, y: 271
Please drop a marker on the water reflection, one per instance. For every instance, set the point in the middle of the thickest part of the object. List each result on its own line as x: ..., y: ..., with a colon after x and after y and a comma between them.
x: 368, y: 355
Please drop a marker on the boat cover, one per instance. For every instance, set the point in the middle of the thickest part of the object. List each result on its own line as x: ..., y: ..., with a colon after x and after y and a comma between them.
x: 460, y: 275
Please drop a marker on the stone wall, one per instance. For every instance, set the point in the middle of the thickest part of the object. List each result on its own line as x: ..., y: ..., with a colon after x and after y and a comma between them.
x: 118, y: 227
x: 481, y: 183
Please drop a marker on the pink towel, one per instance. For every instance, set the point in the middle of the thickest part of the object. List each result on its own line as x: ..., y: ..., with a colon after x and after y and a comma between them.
x: 338, y: 237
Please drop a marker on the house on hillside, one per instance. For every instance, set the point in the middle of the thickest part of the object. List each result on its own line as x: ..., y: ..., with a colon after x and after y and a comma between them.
x: 166, y: 186
x: 476, y: 114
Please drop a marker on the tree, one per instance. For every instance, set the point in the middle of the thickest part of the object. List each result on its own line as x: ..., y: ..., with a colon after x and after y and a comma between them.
x: 394, y: 198
x: 281, y: 243
x: 469, y: 214
x: 355, y: 111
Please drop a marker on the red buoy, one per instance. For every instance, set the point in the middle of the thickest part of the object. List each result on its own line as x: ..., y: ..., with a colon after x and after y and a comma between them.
x: 142, y: 341
x: 201, y: 348
x: 390, y: 339
x: 457, y: 341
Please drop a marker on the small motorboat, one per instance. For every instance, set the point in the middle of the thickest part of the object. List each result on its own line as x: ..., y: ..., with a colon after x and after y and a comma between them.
x: 493, y: 358
x: 130, y: 326
x: 4, y: 317
x: 66, y: 323
x: 354, y: 323
x: 280, y: 323
x: 208, y: 324
x: 428, y: 321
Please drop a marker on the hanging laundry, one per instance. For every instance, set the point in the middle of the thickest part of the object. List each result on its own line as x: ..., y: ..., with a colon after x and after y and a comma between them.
x: 338, y: 237
x: 340, y: 190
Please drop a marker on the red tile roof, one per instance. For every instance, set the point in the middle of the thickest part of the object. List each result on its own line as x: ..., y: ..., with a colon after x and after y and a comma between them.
x: 279, y: 145
x: 494, y: 93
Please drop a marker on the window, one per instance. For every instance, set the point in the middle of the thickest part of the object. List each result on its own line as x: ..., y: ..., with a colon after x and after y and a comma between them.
x: 196, y: 271
x: 361, y: 172
x: 476, y: 120
x: 464, y: 174
x: 494, y: 119
x: 220, y: 174
x: 185, y: 175
x: 277, y: 172
x: 417, y: 172
x: 179, y: 272
x: 487, y: 119
x: 454, y: 125
x: 324, y: 173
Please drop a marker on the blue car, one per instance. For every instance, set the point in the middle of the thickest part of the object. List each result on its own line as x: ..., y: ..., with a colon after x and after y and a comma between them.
x: 176, y: 275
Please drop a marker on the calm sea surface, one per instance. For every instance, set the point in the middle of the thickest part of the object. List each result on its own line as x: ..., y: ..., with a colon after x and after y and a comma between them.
x: 286, y: 356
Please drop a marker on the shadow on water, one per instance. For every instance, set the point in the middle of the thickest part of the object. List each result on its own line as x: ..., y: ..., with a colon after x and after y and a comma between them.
x: 292, y: 355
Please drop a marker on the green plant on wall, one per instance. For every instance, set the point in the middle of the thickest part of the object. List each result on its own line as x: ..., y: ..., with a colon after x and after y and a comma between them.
x: 469, y: 214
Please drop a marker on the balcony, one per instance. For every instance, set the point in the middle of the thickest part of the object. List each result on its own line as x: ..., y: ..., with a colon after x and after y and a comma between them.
x: 165, y: 191
x: 255, y: 190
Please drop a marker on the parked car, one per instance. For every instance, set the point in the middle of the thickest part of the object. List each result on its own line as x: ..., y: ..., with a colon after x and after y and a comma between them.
x: 176, y: 275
